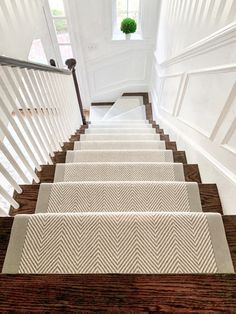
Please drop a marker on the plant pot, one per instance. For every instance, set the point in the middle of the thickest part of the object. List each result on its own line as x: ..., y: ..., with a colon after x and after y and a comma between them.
x: 128, y: 36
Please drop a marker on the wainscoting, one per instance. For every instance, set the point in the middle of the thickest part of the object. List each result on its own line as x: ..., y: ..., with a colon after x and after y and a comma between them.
x: 194, y: 99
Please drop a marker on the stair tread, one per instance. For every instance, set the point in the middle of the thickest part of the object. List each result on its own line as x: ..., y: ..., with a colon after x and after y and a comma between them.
x: 118, y: 243
x: 119, y: 197
x: 119, y: 171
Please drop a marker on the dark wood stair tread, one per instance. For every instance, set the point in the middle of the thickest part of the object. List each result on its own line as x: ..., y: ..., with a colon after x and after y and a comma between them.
x: 118, y: 293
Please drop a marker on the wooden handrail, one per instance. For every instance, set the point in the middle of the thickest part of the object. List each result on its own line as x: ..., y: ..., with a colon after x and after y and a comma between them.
x: 31, y: 65
x: 71, y: 63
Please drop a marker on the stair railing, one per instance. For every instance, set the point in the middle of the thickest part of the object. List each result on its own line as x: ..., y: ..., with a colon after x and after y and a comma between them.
x: 71, y: 64
x: 38, y: 113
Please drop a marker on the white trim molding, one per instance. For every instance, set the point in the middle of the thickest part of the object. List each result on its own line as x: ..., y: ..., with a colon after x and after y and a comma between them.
x: 223, y: 37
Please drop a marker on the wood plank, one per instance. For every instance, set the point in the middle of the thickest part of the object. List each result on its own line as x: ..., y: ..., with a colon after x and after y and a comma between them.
x: 27, y: 199
x: 146, y: 293
x: 192, y: 173
x: 68, y: 145
x: 179, y: 156
x: 171, y: 146
x: 164, y: 137
x: 46, y: 175
x: 59, y: 158
x: 102, y: 103
x: 119, y: 293
x: 5, y: 231
x: 230, y: 230
x: 210, y: 198
x: 159, y: 131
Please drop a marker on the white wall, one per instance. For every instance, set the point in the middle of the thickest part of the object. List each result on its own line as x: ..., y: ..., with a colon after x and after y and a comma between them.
x: 193, y: 86
x: 111, y: 67
x: 22, y: 21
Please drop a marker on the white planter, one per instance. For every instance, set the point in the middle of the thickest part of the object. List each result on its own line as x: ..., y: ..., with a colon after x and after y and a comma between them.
x: 128, y: 36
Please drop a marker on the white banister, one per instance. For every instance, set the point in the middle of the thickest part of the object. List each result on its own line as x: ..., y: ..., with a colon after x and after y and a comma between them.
x: 39, y: 111
x: 38, y: 114
x: 10, y: 179
x: 17, y: 149
x: 16, y: 90
x: 13, y: 162
x: 48, y: 109
x: 43, y: 110
x: 33, y: 122
x: 8, y: 198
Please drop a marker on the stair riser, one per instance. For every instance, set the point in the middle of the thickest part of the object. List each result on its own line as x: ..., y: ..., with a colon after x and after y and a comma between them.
x: 119, y: 156
x: 99, y: 145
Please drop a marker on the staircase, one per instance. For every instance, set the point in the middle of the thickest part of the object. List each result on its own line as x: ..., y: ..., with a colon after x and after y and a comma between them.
x: 119, y: 222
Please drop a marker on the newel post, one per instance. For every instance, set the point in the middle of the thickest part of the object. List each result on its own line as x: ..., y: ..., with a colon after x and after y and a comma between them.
x: 71, y: 63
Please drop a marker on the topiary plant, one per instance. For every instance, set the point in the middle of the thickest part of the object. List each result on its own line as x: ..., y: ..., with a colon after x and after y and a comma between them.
x: 128, y: 26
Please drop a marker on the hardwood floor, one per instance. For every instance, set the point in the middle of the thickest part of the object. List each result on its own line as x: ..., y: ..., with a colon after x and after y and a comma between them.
x: 118, y: 293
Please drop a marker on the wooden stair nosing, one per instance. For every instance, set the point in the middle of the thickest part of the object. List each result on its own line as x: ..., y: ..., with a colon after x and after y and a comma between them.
x: 28, y: 198
x: 119, y: 293
x: 93, y: 104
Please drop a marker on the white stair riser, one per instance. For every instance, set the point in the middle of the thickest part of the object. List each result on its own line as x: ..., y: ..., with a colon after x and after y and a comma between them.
x: 119, y: 137
x: 120, y: 126
x: 119, y: 197
x: 120, y: 131
x: 119, y: 156
x: 126, y: 122
x: 99, y: 145
x: 119, y: 172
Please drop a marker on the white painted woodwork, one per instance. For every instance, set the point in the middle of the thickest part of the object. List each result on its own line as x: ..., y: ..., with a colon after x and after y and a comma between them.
x: 38, y: 112
x: 193, y: 87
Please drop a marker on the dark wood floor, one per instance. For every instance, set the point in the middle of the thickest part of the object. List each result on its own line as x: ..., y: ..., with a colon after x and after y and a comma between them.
x: 118, y: 293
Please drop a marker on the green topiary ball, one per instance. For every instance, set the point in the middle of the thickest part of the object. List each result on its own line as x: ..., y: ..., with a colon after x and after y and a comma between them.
x: 128, y: 26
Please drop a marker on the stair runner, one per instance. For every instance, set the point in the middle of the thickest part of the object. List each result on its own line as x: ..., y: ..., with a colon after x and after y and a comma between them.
x: 119, y: 205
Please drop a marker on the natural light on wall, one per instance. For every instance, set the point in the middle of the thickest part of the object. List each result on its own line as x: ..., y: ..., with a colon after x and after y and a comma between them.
x: 37, y: 53
x: 61, y: 28
x: 123, y: 9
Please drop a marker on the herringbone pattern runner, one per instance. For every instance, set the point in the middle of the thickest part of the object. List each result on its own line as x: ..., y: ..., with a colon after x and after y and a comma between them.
x: 117, y: 243
x: 119, y: 197
x: 126, y: 171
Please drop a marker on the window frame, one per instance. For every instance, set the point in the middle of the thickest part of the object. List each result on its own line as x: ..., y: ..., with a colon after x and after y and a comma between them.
x: 116, y: 32
x: 62, y: 17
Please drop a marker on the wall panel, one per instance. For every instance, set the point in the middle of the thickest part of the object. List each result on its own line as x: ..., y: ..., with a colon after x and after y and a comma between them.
x: 198, y: 108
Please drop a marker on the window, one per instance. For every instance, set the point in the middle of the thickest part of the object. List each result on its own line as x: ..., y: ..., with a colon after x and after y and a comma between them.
x: 61, y: 28
x: 123, y: 9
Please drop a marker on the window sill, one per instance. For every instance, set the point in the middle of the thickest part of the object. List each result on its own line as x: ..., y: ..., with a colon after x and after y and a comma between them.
x: 121, y: 36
